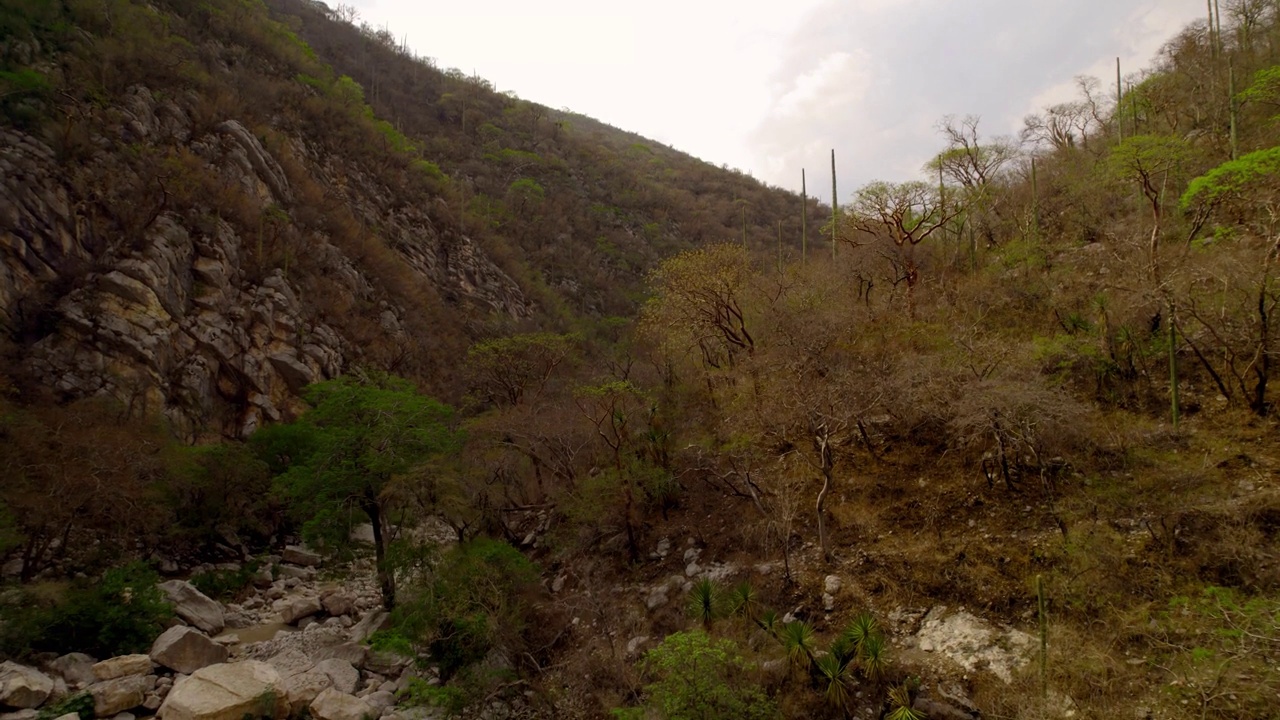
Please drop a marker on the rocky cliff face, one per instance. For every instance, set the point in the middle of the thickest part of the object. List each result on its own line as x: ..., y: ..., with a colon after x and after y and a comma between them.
x: 172, y: 317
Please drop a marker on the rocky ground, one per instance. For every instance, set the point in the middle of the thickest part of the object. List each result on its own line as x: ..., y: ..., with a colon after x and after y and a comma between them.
x: 296, y: 643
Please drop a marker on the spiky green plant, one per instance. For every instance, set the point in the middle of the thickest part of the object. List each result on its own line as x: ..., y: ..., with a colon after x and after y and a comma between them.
x: 797, y: 641
x: 744, y: 601
x: 843, y: 648
x: 768, y: 622
x: 864, y: 625
x: 873, y: 656
x: 900, y: 704
x: 704, y: 602
x: 835, y: 675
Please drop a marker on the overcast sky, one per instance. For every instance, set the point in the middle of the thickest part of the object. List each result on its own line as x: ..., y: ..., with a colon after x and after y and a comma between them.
x: 771, y: 86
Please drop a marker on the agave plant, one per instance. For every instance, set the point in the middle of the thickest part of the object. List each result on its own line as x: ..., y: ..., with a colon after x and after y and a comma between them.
x: 835, y: 675
x: 873, y: 657
x: 900, y: 705
x: 797, y: 641
x: 704, y: 602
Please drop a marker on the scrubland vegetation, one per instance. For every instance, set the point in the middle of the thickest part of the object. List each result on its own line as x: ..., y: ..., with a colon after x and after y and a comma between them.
x: 1046, y: 363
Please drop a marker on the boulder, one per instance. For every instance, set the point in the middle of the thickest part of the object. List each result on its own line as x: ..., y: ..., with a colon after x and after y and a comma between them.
x: 294, y: 609
x: 386, y: 663
x: 186, y: 650
x: 343, y: 676
x: 334, y: 705
x: 116, y: 696
x: 75, y: 668
x: 23, y: 687
x: 299, y: 555
x: 25, y: 714
x: 350, y: 652
x: 339, y: 603
x: 380, y: 700
x: 68, y: 716
x: 194, y: 606
x: 376, y: 620
x: 939, y: 710
x: 122, y: 666
x: 302, y: 688
x: 228, y: 691
x: 290, y: 572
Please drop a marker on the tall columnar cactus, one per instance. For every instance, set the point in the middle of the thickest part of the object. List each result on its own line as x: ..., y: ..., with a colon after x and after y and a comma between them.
x: 835, y: 206
x: 1035, y: 198
x: 1174, y: 409
x: 1231, y: 99
x: 804, y: 218
x: 1119, y: 101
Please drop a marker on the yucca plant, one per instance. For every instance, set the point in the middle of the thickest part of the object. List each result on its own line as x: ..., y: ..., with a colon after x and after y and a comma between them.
x: 768, y: 622
x: 864, y: 626
x: 797, y: 641
x: 744, y: 601
x: 900, y: 704
x: 704, y: 602
x: 844, y: 649
x: 873, y: 657
x: 835, y: 674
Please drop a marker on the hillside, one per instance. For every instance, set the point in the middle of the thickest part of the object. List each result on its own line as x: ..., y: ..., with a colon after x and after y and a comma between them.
x: 231, y: 173
x: 1009, y: 452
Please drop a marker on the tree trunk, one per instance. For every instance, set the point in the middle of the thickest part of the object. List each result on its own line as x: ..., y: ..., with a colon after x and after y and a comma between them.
x: 386, y: 576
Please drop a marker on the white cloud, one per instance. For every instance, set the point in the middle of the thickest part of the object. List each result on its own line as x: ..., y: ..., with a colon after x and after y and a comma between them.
x: 771, y: 86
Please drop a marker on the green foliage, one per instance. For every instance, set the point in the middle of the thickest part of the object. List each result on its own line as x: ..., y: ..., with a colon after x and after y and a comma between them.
x: 1234, y: 180
x: 226, y: 585
x: 797, y: 640
x: 428, y: 169
x: 698, y: 677
x: 473, y: 600
x: 392, y: 641
x: 705, y: 602
x: 80, y: 703
x: 900, y: 704
x: 216, y: 487
x: 361, y: 433
x: 835, y: 675
x: 121, y: 613
x: 418, y: 693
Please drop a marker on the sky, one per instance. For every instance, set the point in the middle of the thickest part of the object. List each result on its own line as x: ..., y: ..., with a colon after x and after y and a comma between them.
x: 772, y: 86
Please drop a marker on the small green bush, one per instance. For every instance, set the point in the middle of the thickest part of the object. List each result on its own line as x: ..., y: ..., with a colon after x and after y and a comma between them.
x: 473, y: 602
x: 81, y: 704
x: 121, y: 613
x: 226, y: 584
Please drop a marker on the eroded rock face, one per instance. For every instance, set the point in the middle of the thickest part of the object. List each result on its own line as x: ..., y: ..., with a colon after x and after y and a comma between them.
x: 170, y: 317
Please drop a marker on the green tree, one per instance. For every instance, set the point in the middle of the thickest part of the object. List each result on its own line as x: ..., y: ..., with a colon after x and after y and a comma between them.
x: 1149, y: 161
x: 699, y: 677
x: 361, y: 436
x: 1235, y: 303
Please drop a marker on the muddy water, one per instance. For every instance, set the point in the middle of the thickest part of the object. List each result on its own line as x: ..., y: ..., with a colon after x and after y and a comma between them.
x: 258, y: 633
